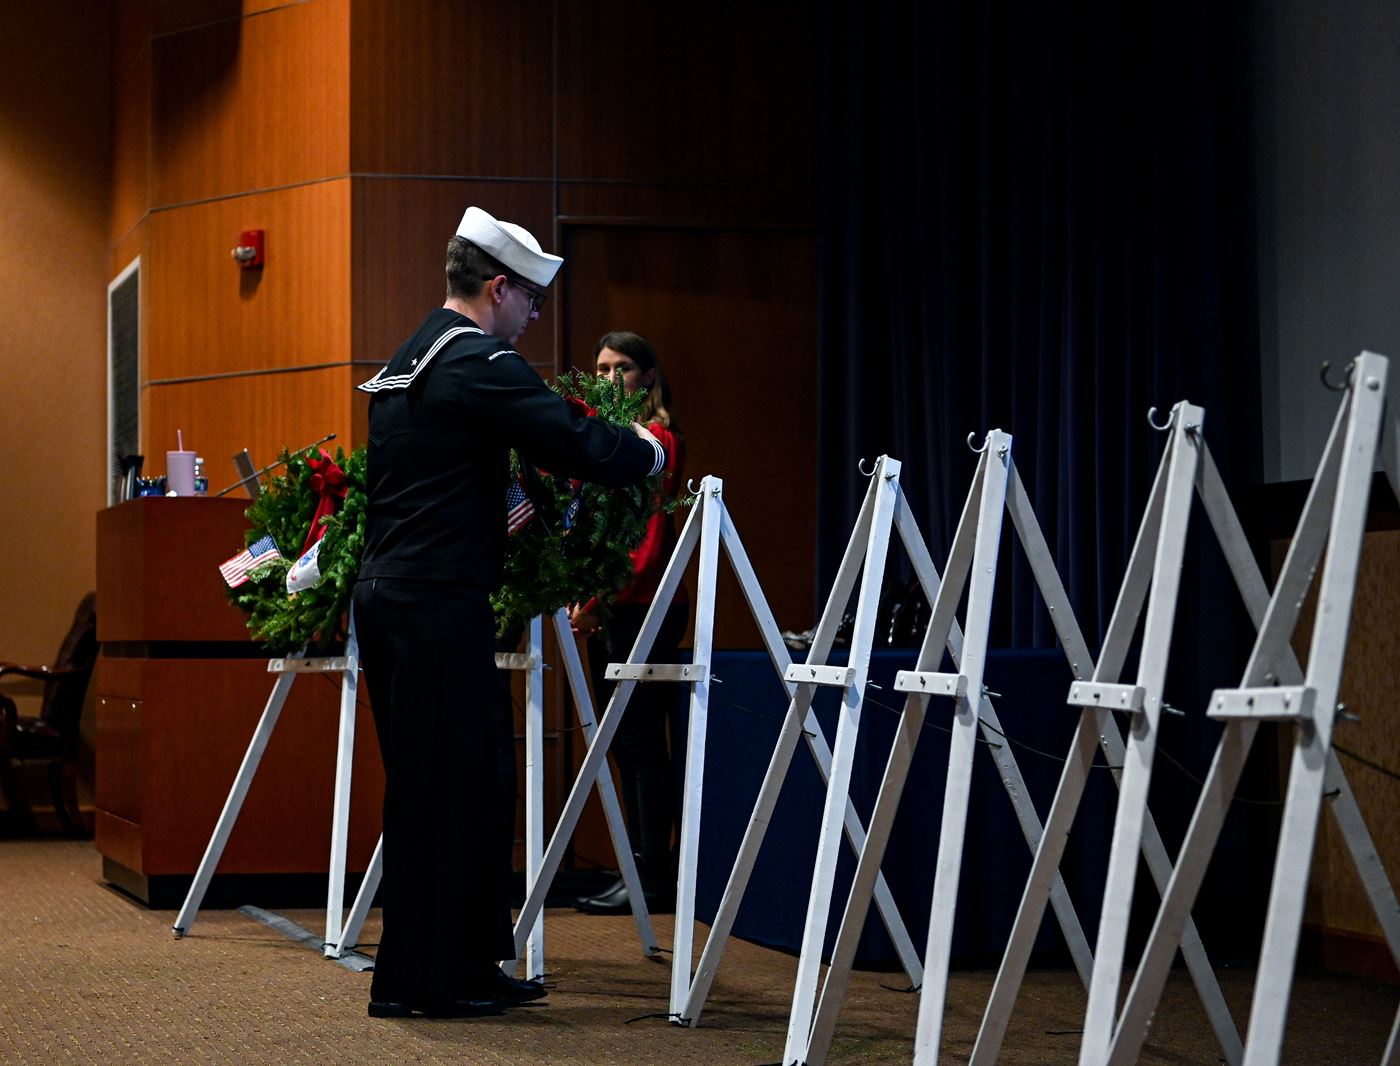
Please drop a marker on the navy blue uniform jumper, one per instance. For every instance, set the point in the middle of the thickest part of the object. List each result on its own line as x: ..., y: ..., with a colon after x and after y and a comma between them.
x: 444, y: 415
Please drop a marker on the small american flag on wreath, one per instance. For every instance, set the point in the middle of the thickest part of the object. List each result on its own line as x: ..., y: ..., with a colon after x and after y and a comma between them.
x: 519, y: 509
x: 235, y: 571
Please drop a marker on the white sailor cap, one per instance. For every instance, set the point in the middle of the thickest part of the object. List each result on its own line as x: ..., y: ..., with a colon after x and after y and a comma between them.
x: 510, y: 245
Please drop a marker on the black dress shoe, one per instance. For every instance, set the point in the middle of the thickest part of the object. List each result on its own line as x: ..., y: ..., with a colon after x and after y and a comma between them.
x: 617, y: 901
x: 494, y: 983
x: 587, y: 902
x: 612, y: 900
x: 457, y: 1008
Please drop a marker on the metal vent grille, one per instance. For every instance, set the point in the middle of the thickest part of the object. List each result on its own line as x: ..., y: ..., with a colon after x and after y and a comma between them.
x: 123, y: 373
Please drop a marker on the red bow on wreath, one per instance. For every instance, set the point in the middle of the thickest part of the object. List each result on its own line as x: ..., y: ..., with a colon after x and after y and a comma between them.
x: 581, y: 407
x: 327, y: 481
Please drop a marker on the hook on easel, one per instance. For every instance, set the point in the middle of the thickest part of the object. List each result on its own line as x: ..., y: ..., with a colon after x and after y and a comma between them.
x: 690, y: 487
x: 987, y: 440
x: 861, y: 467
x: 1152, y: 420
x: 1346, y: 380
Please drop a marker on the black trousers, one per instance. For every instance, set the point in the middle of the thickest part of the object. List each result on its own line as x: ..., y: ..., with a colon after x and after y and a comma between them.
x: 443, y: 718
x: 639, y: 748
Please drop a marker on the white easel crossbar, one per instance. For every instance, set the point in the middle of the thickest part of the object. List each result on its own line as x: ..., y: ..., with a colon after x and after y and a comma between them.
x: 1275, y: 688
x: 348, y: 666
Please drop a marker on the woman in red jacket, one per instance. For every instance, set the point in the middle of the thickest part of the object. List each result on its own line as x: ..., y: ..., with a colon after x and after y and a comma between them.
x: 640, y: 749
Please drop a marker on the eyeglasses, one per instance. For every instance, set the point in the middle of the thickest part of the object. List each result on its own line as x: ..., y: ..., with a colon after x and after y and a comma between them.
x: 537, y: 296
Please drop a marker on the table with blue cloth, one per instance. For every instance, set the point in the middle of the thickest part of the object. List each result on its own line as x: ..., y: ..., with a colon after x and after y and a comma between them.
x: 747, y: 704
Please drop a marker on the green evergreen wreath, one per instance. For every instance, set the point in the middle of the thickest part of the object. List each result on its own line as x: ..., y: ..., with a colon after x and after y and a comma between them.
x: 560, y: 557
x: 313, y: 618
x: 549, y: 563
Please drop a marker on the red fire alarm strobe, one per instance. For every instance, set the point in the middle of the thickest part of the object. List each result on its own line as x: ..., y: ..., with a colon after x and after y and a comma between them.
x: 249, y: 252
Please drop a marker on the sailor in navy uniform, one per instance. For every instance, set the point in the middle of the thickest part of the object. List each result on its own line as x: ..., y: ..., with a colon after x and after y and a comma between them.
x: 445, y: 412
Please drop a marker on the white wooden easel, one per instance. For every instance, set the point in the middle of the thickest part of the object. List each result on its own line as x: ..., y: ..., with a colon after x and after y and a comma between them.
x: 974, y: 551
x: 1163, y: 535
x: 865, y: 559
x: 799, y: 721
x: 1153, y: 567
x: 975, y: 548
x: 707, y: 528
x: 531, y: 662
x: 1275, y: 688
x: 348, y: 666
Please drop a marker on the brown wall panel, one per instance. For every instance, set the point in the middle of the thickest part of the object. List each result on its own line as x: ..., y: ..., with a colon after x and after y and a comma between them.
x: 206, y: 316
x: 400, y: 229
x: 133, y: 244
x: 251, y: 103
x: 131, y: 121
x: 716, y: 206
x: 170, y: 16
x: 133, y: 22
x: 263, y: 413
x: 720, y: 92
x: 443, y: 87
x: 733, y: 321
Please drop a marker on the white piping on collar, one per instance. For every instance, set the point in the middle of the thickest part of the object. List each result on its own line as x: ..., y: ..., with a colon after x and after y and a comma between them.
x: 380, y: 383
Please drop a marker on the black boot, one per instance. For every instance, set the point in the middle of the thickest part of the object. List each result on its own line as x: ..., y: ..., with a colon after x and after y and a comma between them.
x: 612, y: 900
x: 658, y: 891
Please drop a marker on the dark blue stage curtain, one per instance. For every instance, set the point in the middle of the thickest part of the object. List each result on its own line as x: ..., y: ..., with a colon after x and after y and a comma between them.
x: 1037, y: 217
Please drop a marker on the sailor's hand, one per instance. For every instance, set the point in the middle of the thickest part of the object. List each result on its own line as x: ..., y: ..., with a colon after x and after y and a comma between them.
x: 582, y: 621
x: 644, y: 433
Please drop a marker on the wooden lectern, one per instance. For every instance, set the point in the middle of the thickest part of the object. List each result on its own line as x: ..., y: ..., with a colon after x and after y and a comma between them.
x: 179, y: 689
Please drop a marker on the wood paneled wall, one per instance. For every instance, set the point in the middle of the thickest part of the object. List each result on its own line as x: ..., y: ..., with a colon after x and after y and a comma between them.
x: 665, y: 150
x: 233, y: 116
x: 730, y: 315
x: 667, y: 144
x: 250, y: 103
x: 444, y: 88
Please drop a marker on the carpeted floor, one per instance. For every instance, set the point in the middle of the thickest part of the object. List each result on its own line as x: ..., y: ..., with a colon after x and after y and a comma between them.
x: 88, y: 975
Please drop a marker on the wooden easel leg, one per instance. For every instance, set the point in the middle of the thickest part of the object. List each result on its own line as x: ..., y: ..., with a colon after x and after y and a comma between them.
x: 958, y: 788
x: 189, y: 911
x: 340, y: 809
x: 1141, y: 749
x: 607, y: 791
x: 883, y: 493
x: 533, y: 961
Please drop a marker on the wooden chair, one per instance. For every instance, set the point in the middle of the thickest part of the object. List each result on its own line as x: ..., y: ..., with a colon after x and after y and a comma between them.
x: 52, y: 736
